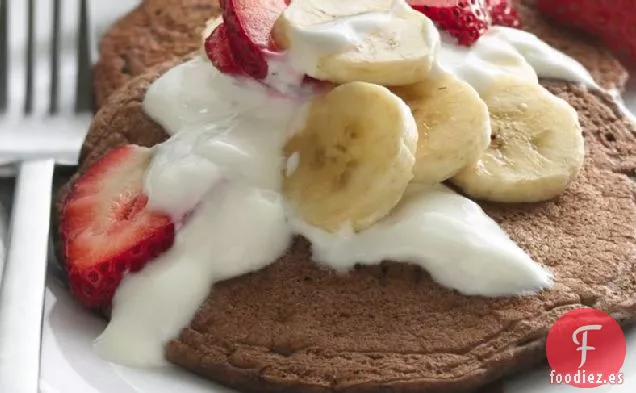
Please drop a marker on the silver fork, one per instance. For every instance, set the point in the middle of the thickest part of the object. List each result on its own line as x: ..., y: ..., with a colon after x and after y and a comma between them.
x: 44, y: 86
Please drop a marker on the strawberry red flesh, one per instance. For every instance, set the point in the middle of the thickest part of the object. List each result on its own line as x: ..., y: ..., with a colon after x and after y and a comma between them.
x: 107, y: 229
x: 467, y: 20
x: 249, y: 25
x: 217, y: 47
x: 611, y: 21
x: 503, y: 13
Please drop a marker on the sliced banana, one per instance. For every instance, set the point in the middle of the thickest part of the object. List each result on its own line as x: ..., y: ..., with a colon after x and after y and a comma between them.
x: 536, y: 150
x: 452, y: 122
x: 352, y: 160
x: 378, y: 41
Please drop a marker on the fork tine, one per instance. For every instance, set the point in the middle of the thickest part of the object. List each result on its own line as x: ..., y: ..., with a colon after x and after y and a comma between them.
x: 4, y: 55
x: 55, y: 58
x: 84, y: 95
x: 41, y: 69
x: 28, y: 88
x: 17, y: 18
x: 69, y: 31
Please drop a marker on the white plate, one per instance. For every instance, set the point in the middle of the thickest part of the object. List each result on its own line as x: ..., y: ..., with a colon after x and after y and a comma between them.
x: 69, y: 364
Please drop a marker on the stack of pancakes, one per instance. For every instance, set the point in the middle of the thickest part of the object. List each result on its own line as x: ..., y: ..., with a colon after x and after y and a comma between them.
x: 297, y: 327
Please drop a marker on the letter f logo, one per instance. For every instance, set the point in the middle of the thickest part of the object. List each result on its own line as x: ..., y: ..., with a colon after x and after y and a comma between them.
x: 583, y: 344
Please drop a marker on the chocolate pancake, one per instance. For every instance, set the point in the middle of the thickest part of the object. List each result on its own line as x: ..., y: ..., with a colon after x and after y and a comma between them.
x: 153, y: 33
x: 160, y: 30
x: 297, y: 327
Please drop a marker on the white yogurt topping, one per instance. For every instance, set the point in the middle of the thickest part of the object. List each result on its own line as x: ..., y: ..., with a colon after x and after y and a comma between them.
x: 620, y: 102
x: 222, y: 128
x: 225, y: 161
x: 512, y: 52
x: 501, y: 51
x: 443, y: 232
x: 223, y: 165
x: 224, y: 158
x: 309, y: 45
x: 237, y: 229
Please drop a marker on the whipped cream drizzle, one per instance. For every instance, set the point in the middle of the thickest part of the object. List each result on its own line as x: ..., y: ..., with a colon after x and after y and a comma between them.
x: 441, y: 231
x: 504, y: 51
x: 224, y: 161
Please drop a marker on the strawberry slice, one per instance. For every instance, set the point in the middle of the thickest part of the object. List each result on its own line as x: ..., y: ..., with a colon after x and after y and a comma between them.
x: 503, y: 13
x: 217, y: 47
x: 612, y: 22
x: 433, y: 3
x: 107, y: 230
x: 249, y: 24
x: 467, y: 20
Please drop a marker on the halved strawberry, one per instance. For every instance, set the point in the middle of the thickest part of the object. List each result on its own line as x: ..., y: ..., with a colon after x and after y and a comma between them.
x: 217, y: 47
x: 611, y: 21
x: 106, y: 228
x: 467, y: 20
x: 249, y: 24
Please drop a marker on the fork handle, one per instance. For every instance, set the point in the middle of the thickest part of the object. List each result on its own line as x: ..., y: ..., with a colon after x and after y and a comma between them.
x: 22, y: 287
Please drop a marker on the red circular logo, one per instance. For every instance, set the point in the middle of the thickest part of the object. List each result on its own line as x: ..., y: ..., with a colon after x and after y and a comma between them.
x: 586, y: 348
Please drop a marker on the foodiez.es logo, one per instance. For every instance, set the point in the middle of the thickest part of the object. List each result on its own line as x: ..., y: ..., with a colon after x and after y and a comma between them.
x: 586, y: 348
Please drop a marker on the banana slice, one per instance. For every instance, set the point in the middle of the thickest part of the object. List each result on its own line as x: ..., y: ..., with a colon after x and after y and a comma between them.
x: 536, y: 150
x: 353, y: 158
x: 452, y: 122
x: 378, y: 41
